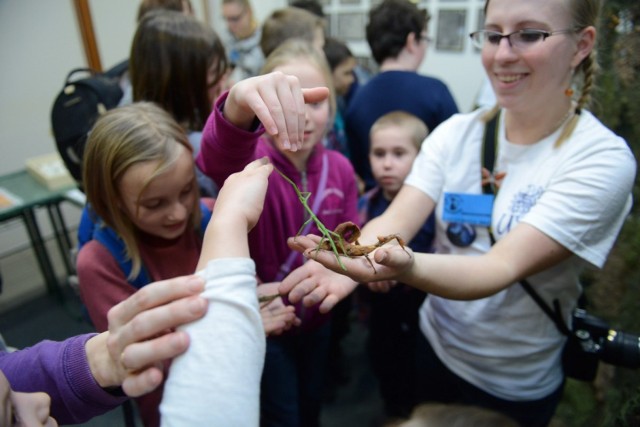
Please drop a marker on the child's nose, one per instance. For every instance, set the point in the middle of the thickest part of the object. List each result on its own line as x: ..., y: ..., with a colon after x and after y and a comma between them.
x: 178, y: 211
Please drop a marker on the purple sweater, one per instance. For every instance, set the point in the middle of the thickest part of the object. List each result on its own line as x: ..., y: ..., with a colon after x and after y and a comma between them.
x: 61, y: 370
x: 226, y: 149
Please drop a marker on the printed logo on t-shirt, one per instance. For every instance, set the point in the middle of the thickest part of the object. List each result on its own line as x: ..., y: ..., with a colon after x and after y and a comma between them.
x: 332, y: 202
x: 521, y: 204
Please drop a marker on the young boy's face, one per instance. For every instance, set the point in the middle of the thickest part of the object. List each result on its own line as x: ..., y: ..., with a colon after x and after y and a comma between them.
x: 391, y: 155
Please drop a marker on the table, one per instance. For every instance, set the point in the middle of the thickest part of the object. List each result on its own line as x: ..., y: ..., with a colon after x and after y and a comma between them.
x: 33, y: 195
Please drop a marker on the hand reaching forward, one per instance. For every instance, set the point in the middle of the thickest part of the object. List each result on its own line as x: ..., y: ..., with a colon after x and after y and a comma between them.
x: 276, y: 317
x: 237, y: 209
x: 242, y: 194
x: 142, y: 334
x: 314, y: 284
x: 278, y: 101
x: 382, y: 286
x: 390, y: 262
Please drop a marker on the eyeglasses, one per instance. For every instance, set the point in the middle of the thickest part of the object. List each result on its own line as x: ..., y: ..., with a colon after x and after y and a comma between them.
x: 521, y: 39
x: 234, y: 19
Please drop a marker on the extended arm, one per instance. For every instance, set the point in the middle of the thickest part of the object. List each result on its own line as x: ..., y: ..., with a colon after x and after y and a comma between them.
x: 316, y: 285
x: 523, y: 252
x: 217, y: 382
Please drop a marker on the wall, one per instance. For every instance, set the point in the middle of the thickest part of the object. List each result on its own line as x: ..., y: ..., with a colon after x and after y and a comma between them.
x: 40, y: 43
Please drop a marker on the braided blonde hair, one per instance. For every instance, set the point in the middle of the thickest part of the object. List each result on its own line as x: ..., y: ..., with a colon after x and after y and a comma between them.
x: 584, y: 13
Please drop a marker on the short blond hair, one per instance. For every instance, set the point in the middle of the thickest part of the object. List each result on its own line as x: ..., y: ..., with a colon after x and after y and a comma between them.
x: 288, y: 23
x: 416, y: 127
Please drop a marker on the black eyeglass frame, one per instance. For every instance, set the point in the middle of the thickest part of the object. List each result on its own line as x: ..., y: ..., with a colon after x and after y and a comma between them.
x: 530, y: 31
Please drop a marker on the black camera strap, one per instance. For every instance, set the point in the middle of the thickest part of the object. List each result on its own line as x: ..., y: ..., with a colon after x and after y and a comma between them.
x: 488, y: 162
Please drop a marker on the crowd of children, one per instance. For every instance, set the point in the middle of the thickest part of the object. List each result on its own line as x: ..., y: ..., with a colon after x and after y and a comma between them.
x: 272, y: 117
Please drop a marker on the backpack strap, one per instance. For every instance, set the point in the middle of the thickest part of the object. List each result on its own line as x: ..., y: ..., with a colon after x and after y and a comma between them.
x: 86, y: 226
x: 112, y: 241
x: 92, y: 228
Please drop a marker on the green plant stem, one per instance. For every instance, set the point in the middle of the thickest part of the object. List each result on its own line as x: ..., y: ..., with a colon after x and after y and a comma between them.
x: 327, y: 234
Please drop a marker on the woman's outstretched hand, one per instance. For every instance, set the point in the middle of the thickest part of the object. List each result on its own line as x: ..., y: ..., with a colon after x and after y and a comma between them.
x: 390, y: 262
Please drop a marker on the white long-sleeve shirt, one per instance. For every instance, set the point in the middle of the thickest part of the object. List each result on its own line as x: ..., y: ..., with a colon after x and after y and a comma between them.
x: 217, y: 381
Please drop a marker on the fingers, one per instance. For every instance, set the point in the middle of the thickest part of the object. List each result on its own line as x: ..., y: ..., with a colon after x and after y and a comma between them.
x: 142, y: 354
x: 154, y: 295
x: 141, y: 383
x: 316, y: 94
x: 301, y: 285
x: 302, y: 243
x: 278, y: 319
x: 394, y: 257
x: 279, y: 104
x: 292, y: 280
x: 256, y: 164
x: 151, y: 323
x: 328, y: 303
x: 380, y: 287
x: 314, y: 297
x: 278, y: 101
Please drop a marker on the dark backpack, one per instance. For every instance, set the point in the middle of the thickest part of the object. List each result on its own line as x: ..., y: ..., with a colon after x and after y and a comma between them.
x: 77, y: 107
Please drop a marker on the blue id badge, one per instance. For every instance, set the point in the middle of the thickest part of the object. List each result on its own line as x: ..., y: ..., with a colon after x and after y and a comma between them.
x: 468, y: 208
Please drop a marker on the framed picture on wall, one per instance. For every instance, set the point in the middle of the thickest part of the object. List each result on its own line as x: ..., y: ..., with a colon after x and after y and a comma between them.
x: 451, y: 33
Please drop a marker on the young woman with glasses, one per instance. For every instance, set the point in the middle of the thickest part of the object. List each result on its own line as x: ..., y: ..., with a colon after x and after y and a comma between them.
x: 562, y: 184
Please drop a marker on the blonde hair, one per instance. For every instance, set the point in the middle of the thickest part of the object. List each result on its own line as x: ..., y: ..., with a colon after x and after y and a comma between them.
x: 294, y: 50
x: 246, y: 6
x: 288, y: 23
x: 584, y: 13
x: 121, y: 138
x: 416, y: 127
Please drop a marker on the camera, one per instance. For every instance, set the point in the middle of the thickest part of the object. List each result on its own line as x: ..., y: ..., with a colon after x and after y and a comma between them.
x: 592, y: 340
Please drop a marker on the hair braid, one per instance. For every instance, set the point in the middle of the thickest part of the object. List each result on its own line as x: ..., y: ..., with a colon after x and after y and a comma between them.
x: 589, y: 67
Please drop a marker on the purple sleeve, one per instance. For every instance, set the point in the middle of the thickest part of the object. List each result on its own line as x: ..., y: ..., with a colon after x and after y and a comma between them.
x: 61, y: 370
x: 225, y: 148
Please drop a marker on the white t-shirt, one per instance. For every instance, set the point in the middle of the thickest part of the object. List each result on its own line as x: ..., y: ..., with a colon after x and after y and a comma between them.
x: 578, y: 194
x: 217, y: 381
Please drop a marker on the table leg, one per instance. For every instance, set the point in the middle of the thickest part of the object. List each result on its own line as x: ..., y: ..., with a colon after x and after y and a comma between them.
x: 62, y: 236
x: 53, y: 286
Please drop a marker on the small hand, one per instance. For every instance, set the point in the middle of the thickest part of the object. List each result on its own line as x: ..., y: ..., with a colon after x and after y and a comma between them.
x: 314, y: 284
x: 276, y: 317
x: 142, y: 334
x: 382, y: 286
x: 242, y: 195
x: 278, y: 101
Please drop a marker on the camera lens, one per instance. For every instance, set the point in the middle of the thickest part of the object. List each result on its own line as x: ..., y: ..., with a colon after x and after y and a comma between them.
x: 621, y: 349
